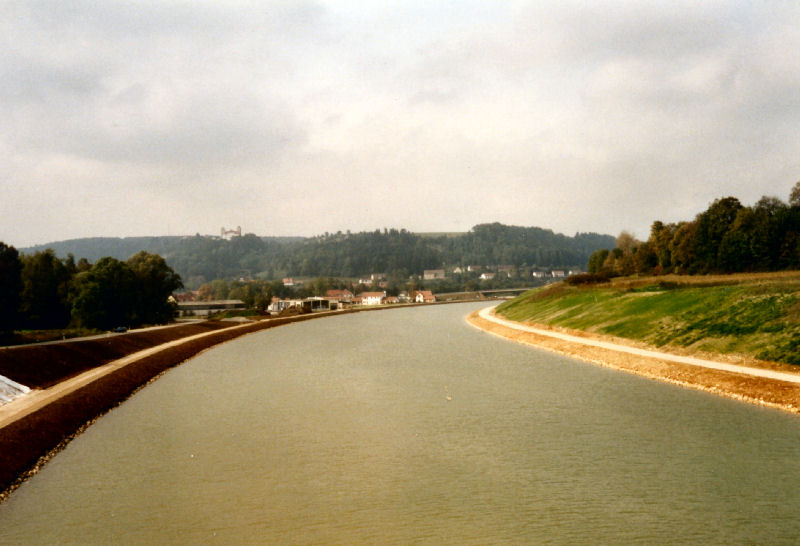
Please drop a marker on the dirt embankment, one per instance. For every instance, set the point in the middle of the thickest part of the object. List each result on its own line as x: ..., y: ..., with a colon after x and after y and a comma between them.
x: 28, y: 441
x: 761, y: 391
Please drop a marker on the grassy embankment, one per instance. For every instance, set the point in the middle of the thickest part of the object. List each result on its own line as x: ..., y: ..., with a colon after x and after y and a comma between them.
x: 753, y: 315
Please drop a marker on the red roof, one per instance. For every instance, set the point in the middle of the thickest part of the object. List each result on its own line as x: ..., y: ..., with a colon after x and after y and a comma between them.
x: 373, y: 294
x: 338, y: 293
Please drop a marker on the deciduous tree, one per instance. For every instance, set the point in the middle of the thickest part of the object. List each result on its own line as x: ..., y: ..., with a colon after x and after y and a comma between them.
x: 10, y: 287
x: 45, y: 291
x: 105, y: 295
x: 155, y: 282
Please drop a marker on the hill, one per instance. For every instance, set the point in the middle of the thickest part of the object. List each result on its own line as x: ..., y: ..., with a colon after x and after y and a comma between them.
x: 198, y: 259
x: 756, y: 315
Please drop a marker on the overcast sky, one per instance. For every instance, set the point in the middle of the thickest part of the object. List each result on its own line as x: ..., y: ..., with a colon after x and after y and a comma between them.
x: 297, y: 118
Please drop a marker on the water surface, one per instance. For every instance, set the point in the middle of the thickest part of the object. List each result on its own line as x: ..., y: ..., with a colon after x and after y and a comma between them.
x: 409, y: 426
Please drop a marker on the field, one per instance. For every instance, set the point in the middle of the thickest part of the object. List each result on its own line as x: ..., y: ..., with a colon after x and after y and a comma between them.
x: 751, y: 315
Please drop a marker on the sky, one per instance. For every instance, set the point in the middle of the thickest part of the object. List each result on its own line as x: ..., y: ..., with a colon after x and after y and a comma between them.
x: 303, y: 117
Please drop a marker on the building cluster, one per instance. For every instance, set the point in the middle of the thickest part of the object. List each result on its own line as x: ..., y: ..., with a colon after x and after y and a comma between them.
x: 343, y: 299
x: 486, y: 273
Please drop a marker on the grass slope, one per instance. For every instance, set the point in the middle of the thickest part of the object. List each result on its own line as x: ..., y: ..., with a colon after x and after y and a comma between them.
x: 756, y: 315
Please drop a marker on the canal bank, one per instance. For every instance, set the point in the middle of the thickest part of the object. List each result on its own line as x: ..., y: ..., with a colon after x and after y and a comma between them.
x: 754, y: 382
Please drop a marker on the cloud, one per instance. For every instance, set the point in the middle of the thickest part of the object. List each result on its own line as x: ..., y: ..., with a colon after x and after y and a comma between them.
x: 307, y: 117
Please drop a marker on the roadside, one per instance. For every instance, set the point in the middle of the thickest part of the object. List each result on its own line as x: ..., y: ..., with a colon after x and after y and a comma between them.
x: 755, y: 385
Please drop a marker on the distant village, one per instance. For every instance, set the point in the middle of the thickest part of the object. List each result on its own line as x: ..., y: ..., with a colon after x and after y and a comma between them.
x: 335, y: 299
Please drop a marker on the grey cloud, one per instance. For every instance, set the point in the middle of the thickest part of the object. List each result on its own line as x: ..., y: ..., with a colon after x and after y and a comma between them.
x: 562, y: 109
x: 122, y: 82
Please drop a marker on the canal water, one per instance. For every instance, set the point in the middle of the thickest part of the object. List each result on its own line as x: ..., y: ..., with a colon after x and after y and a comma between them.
x: 409, y: 426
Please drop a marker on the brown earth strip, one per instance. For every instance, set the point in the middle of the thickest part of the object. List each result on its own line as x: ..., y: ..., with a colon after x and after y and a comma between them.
x: 754, y: 390
x: 42, y: 366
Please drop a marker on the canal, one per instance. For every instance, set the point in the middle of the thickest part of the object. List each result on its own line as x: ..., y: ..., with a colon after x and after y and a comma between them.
x: 410, y: 426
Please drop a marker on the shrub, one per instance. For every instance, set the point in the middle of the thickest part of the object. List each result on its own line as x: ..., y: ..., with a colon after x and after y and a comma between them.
x: 587, y: 278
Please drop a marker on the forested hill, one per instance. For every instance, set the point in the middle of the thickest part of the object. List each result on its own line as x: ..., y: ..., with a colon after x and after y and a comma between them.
x: 199, y: 259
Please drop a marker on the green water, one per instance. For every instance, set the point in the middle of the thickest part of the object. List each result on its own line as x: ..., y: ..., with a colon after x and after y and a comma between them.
x: 409, y: 426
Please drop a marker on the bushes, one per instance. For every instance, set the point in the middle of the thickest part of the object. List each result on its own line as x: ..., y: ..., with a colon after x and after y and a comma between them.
x: 587, y: 278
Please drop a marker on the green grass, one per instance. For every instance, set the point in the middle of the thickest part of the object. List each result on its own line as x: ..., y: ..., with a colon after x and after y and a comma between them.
x: 757, y: 316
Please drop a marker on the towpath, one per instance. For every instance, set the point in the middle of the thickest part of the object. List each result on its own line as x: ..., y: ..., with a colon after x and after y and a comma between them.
x: 37, y: 398
x: 488, y: 314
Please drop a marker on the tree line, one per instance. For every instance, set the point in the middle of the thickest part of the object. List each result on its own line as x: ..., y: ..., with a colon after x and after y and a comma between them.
x: 728, y: 237
x: 394, y: 252
x: 40, y: 291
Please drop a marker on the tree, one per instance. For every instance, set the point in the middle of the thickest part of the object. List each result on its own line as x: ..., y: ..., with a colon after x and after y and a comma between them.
x: 712, y: 225
x: 596, y: 260
x: 682, y: 247
x: 736, y: 250
x: 155, y: 282
x: 45, y: 291
x: 660, y: 237
x: 105, y: 296
x: 626, y: 242
x: 10, y: 287
x: 645, y: 258
x: 263, y: 297
x: 794, y: 196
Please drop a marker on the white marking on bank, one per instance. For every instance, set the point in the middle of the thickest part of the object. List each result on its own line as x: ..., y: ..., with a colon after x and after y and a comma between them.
x: 9, y: 390
x: 488, y: 314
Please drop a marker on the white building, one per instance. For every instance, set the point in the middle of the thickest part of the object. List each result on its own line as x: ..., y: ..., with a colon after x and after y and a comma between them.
x: 373, y: 298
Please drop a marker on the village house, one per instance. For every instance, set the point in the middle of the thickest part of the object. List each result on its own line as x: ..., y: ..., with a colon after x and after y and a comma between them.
x: 373, y: 278
x: 277, y: 304
x: 457, y: 270
x: 342, y: 296
x: 558, y: 274
x: 424, y: 296
x: 505, y: 270
x: 373, y: 298
x: 433, y: 274
x: 487, y: 276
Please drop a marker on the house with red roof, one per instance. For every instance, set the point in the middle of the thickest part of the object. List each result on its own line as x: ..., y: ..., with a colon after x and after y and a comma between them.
x: 342, y: 296
x: 373, y: 298
x: 424, y: 296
